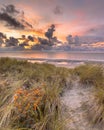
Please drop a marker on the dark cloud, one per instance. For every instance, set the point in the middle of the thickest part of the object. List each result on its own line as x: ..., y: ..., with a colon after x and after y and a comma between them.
x: 23, y: 37
x: 23, y: 44
x: 10, y: 9
x: 31, y: 38
x: 73, y: 39
x: 43, y: 41
x: 58, y: 10
x: 2, y: 35
x: 41, y: 47
x: 11, y: 16
x: 10, y: 21
x: 49, y: 33
x: 27, y: 24
x: 12, y: 42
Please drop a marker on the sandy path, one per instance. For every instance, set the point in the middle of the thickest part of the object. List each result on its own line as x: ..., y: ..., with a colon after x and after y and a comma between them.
x: 76, y: 101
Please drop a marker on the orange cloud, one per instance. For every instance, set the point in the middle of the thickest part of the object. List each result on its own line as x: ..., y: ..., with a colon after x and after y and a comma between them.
x: 30, y: 15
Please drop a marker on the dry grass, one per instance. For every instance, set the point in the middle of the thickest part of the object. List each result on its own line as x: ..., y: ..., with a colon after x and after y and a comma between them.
x: 30, y: 95
x: 93, y: 75
x: 90, y: 74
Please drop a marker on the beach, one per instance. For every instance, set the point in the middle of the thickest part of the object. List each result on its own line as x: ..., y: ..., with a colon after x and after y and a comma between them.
x: 65, y: 59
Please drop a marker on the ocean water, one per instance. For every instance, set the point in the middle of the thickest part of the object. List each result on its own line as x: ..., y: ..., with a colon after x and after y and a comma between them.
x: 57, y: 58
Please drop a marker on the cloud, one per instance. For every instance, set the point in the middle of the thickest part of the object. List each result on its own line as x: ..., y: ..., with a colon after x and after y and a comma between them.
x: 27, y: 24
x: 34, y: 32
x: 49, y: 33
x: 9, y: 9
x: 2, y: 35
x: 58, y: 10
x: 31, y: 38
x: 11, y: 22
x: 11, y: 41
x: 69, y: 39
x: 96, y: 31
x: 13, y: 18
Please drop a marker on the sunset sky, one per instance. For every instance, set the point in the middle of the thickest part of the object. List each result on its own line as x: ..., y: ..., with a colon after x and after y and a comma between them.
x: 76, y: 17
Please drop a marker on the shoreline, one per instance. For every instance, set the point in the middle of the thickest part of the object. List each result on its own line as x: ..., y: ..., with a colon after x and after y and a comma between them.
x: 58, y: 62
x: 54, y: 60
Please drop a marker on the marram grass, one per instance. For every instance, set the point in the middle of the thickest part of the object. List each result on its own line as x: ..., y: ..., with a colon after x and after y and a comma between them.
x: 30, y: 95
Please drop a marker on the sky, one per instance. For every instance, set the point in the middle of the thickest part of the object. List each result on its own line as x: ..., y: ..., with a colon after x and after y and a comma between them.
x: 76, y: 17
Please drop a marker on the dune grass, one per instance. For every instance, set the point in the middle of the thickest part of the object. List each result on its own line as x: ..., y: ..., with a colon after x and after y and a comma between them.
x: 30, y: 95
x: 90, y: 74
x: 93, y: 75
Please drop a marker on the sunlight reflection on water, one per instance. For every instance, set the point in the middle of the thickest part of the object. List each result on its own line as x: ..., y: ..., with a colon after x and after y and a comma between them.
x: 55, y: 55
x: 57, y: 58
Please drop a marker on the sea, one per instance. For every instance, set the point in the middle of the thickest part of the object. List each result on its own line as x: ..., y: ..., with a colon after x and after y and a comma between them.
x: 59, y: 58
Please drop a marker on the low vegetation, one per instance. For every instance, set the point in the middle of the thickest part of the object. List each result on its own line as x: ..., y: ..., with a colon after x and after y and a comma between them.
x: 90, y: 74
x: 93, y: 75
x: 30, y: 95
